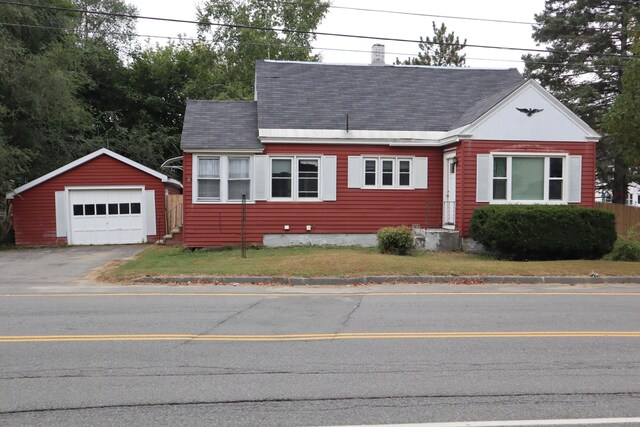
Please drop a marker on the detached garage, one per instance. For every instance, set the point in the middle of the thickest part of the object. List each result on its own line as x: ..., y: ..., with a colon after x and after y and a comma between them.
x: 102, y: 198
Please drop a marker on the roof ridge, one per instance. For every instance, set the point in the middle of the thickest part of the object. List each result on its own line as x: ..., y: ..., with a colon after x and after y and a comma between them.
x: 347, y: 64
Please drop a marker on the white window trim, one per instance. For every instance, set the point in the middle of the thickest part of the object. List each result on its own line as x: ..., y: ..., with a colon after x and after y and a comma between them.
x: 224, y: 179
x: 545, y: 200
x: 396, y: 173
x: 295, y: 178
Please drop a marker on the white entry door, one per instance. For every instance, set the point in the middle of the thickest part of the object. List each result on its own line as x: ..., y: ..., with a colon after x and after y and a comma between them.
x: 109, y: 216
x: 449, y: 191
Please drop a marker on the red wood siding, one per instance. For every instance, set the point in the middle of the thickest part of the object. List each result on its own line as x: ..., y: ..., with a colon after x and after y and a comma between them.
x: 466, y: 177
x: 355, y: 211
x: 34, y: 216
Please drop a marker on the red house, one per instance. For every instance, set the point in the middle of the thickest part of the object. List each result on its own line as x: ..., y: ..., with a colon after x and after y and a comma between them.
x: 101, y: 198
x: 328, y: 154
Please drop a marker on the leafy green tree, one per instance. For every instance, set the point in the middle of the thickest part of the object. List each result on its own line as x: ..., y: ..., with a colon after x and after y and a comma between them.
x: 588, y: 43
x: 622, y: 121
x: 441, y: 50
x: 43, y: 116
x: 159, y: 81
x: 117, y: 31
x: 241, y: 45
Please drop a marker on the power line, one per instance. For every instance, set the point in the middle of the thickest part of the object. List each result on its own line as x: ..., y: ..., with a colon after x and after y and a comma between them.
x: 465, y: 18
x: 398, y: 12
x: 289, y: 31
x: 193, y: 39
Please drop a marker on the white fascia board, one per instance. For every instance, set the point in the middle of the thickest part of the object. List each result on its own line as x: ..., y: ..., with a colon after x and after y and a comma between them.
x: 83, y: 160
x: 222, y: 151
x: 590, y: 134
x: 358, y: 137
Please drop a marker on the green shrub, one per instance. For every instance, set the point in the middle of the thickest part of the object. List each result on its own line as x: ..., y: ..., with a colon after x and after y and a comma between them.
x: 625, y: 250
x: 395, y: 240
x: 543, y: 232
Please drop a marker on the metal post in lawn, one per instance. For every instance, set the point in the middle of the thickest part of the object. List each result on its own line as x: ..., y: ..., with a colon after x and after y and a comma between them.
x: 244, y: 223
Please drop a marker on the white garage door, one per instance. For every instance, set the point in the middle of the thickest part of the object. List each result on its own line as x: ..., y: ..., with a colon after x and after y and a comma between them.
x: 101, y: 217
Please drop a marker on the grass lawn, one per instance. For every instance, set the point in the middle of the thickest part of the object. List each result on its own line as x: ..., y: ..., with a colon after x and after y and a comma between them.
x: 348, y: 262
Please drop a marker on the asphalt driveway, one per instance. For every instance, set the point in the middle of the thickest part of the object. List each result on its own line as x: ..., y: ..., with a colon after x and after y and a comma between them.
x: 67, y: 266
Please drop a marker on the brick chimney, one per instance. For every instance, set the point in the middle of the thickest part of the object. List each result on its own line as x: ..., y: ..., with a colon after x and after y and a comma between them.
x: 377, y: 54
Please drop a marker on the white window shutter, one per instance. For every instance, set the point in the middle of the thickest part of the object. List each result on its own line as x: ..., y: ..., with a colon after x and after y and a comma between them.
x: 575, y: 179
x: 483, y: 177
x: 261, y: 177
x: 194, y: 179
x: 329, y: 178
x: 150, y: 213
x: 62, y: 213
x: 355, y: 172
x: 420, y: 169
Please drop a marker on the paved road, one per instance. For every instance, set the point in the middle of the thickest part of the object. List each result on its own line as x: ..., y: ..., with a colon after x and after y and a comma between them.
x: 74, y: 352
x: 317, y: 356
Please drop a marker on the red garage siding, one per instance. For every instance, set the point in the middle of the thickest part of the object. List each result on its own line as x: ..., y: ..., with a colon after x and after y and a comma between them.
x: 466, y: 178
x: 34, y: 216
x: 355, y: 211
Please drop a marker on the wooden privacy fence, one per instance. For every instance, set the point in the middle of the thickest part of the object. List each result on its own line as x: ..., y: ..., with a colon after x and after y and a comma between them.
x: 173, y: 213
x: 626, y: 216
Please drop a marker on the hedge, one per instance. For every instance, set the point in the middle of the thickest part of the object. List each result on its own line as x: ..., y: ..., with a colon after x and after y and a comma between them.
x: 543, y: 232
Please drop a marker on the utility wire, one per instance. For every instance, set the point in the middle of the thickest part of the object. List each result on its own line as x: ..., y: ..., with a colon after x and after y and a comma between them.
x: 289, y: 31
x: 398, y: 12
x: 466, y: 18
x: 193, y: 39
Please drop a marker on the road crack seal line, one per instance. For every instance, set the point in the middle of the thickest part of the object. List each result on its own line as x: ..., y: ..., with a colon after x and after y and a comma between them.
x: 348, y: 318
x: 208, y: 330
x: 625, y: 394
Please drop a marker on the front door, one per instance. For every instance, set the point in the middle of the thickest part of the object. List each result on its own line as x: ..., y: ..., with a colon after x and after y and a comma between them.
x: 449, y: 191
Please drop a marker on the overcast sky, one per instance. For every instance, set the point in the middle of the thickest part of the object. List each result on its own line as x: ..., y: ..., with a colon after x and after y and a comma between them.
x: 389, y: 25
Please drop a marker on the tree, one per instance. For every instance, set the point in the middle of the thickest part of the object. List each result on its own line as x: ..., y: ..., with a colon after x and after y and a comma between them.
x: 622, y: 121
x: 116, y: 31
x: 441, y: 50
x: 42, y: 119
x: 588, y: 43
x: 157, y: 83
x: 240, y: 44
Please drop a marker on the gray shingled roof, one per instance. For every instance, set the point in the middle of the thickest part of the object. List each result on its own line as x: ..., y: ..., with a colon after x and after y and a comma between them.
x: 294, y: 95
x: 220, y: 125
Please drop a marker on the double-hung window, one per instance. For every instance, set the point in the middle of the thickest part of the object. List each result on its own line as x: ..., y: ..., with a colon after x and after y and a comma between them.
x: 308, y: 173
x: 370, y: 172
x: 222, y: 179
x: 239, y: 178
x: 534, y: 178
x: 295, y: 178
x: 281, y: 178
x: 382, y: 172
x: 209, y: 178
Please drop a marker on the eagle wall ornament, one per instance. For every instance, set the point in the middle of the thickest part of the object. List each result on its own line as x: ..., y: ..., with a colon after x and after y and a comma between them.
x: 529, y: 111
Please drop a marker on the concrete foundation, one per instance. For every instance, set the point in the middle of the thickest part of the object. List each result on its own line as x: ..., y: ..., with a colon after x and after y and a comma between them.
x: 437, y: 240
x: 284, y: 240
x: 471, y: 246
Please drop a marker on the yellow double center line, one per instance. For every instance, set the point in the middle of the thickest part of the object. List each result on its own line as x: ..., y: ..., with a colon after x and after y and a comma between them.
x: 318, y: 337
